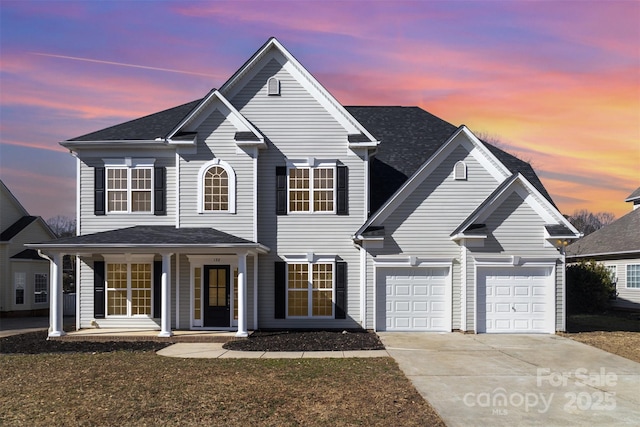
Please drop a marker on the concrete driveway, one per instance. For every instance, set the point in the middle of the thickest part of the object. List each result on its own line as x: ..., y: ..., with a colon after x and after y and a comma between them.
x: 509, y: 380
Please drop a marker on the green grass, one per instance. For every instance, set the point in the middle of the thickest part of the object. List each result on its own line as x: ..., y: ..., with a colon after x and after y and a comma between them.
x: 137, y: 388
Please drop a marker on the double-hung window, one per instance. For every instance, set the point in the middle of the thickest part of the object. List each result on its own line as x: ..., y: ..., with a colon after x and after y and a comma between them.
x: 312, y: 186
x: 20, y: 282
x: 310, y: 289
x: 129, y: 288
x: 312, y: 189
x: 129, y: 185
x: 129, y: 189
x: 40, y: 285
x: 633, y: 276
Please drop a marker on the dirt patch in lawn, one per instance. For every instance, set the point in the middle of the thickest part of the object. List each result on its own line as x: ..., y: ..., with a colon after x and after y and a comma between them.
x: 141, y: 388
x: 316, y: 340
x: 615, y: 332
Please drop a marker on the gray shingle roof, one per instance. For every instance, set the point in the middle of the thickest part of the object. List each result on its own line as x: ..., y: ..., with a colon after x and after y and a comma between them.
x: 157, y: 125
x: 409, y: 136
x: 151, y: 235
x: 620, y: 237
x: 558, y: 230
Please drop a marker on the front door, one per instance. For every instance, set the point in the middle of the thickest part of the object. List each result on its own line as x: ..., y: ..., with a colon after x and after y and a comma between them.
x: 217, y: 310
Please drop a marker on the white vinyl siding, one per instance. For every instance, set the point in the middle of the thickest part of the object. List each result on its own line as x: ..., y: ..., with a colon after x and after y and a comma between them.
x: 421, y: 226
x: 628, y: 296
x: 90, y: 223
x: 216, y: 141
x: 298, y: 126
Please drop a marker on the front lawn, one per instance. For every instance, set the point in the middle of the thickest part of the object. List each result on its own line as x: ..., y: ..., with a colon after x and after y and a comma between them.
x: 141, y: 388
x: 615, y: 332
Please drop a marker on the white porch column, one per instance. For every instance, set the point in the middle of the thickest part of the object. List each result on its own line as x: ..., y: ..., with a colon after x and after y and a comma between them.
x: 55, y: 302
x: 242, y: 295
x: 165, y: 285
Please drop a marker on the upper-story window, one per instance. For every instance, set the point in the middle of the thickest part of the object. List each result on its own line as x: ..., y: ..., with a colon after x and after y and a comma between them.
x: 310, y: 186
x: 217, y: 187
x: 311, y: 189
x: 129, y: 189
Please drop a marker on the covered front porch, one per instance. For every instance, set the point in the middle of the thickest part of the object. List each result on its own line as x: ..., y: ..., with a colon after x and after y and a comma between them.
x: 158, y: 279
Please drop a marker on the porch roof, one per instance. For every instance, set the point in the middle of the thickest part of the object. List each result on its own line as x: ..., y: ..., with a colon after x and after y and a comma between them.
x: 151, y: 237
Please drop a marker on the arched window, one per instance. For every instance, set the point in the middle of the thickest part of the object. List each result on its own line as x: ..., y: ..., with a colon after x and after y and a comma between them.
x: 217, y: 187
x: 460, y: 171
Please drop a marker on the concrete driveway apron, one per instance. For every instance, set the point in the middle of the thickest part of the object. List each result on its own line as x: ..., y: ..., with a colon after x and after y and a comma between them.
x: 515, y: 380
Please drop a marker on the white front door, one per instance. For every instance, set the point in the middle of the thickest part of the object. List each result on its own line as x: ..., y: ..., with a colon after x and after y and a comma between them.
x: 516, y: 300
x: 413, y: 299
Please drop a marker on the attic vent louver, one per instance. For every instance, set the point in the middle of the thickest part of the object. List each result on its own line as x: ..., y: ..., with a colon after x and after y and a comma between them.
x: 460, y: 171
x: 273, y: 87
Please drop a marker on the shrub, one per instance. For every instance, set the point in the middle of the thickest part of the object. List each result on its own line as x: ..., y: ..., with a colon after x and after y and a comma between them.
x: 589, y: 288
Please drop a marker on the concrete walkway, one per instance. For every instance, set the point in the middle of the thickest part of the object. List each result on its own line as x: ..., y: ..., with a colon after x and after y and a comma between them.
x: 518, y: 380
x: 215, y: 351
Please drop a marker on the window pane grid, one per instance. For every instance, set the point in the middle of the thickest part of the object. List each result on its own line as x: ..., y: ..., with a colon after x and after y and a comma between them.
x: 40, y: 288
x: 216, y: 189
x: 197, y: 278
x: 129, y: 279
x: 633, y: 276
x: 129, y: 192
x: 310, y: 290
x: 311, y: 190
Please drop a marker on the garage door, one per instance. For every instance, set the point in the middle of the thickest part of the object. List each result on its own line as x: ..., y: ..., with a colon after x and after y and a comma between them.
x: 516, y: 300
x: 413, y: 299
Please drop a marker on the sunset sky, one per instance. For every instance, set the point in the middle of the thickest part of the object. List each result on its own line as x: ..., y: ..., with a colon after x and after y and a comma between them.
x: 558, y: 83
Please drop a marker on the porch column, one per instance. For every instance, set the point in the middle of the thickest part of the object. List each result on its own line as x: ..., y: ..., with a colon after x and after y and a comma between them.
x: 55, y: 301
x: 165, y: 286
x: 242, y: 295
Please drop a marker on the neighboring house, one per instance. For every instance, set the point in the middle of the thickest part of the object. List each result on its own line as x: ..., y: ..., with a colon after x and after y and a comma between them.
x: 617, y: 246
x: 267, y: 204
x: 24, y: 275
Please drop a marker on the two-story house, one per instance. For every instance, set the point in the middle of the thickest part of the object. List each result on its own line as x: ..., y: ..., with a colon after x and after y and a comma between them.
x: 268, y: 204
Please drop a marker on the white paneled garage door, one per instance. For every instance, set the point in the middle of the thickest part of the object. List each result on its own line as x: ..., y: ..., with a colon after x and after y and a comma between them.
x: 516, y: 300
x: 413, y: 299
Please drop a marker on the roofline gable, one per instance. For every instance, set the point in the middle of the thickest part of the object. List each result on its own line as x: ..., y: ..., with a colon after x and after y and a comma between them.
x: 229, y: 111
x: 479, y: 150
x: 304, y: 77
x: 529, y: 194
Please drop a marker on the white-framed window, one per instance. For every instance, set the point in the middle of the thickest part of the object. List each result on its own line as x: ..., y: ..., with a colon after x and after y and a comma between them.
x: 216, y: 187
x: 633, y: 276
x: 460, y: 171
x: 19, y: 284
x: 310, y: 289
x: 312, y: 189
x: 40, y: 288
x: 129, y: 185
x: 129, y: 287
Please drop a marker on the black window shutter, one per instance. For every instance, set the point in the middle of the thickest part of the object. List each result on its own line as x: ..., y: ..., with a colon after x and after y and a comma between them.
x: 99, y: 191
x: 160, y: 189
x: 341, y: 290
x: 157, y: 291
x: 98, y: 289
x: 342, y: 193
x: 281, y: 190
x: 280, y: 283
